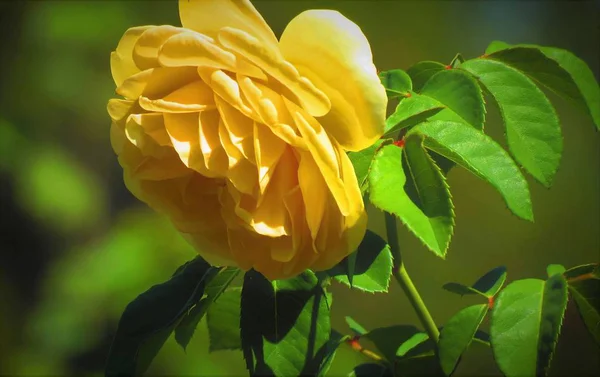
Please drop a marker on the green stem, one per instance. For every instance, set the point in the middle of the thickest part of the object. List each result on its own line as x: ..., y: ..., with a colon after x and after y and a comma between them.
x: 406, y: 283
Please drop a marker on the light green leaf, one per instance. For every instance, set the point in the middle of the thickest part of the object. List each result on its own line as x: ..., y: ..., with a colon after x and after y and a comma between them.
x: 386, y: 182
x: 372, y: 268
x: 410, y: 111
x: 361, y: 161
x: 481, y: 155
x: 457, y: 334
x: 584, y: 285
x: 460, y: 93
x: 532, y: 126
x: 554, y: 269
x: 149, y: 320
x: 526, y: 322
x: 223, y: 321
x: 557, y: 69
x: 186, y: 328
x: 421, y: 72
x: 431, y: 188
x: 355, y: 326
x: 396, y: 82
x: 283, y: 324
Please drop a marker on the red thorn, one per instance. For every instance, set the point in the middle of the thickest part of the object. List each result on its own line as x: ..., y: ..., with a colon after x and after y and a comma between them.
x: 354, y: 343
x: 399, y: 143
x: 448, y: 67
x: 491, y: 302
x: 408, y: 94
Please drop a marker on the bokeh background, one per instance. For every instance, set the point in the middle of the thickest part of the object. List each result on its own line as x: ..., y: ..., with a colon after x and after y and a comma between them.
x: 76, y: 247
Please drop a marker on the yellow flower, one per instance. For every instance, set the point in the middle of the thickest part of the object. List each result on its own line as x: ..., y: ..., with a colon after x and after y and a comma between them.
x: 241, y: 139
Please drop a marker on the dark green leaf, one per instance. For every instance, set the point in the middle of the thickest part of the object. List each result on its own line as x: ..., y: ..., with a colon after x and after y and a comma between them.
x: 557, y: 69
x: 396, y: 82
x: 149, y: 320
x: 186, y: 328
x: 386, y: 182
x: 584, y: 285
x: 421, y: 72
x: 490, y: 283
x: 554, y: 269
x: 328, y: 351
x: 425, y: 364
x: 481, y: 155
x: 284, y: 324
x: 526, y: 322
x: 459, y: 92
x: 457, y: 334
x: 371, y: 370
x: 361, y: 161
x: 410, y: 111
x: 461, y: 289
x: 223, y: 321
x: 532, y: 126
x: 372, y: 267
x: 389, y: 339
x: 355, y: 326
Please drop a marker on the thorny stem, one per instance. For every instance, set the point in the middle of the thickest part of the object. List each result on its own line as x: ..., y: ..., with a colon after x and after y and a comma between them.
x: 406, y: 283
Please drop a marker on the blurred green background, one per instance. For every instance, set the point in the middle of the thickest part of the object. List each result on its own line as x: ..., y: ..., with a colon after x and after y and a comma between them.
x: 76, y: 247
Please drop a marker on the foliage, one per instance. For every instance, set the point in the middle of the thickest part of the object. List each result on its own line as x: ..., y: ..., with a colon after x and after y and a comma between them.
x: 284, y: 326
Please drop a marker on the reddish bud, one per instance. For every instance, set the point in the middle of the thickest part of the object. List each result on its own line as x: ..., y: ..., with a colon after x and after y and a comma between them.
x: 491, y: 302
x: 448, y: 66
x: 408, y: 94
x: 399, y: 143
x: 354, y: 343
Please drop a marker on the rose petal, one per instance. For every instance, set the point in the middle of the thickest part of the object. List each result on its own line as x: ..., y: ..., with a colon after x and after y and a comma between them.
x: 210, y: 16
x: 184, y: 133
x: 268, y: 150
x: 122, y: 65
x: 214, y: 154
x: 197, y: 50
x: 145, y: 51
x: 314, y: 192
x: 193, y: 97
x: 271, y: 62
x: 156, y: 82
x: 333, y: 52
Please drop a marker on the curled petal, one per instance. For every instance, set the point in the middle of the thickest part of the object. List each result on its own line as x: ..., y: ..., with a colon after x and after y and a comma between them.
x: 145, y: 51
x: 156, y: 82
x: 193, y: 97
x: 334, y: 53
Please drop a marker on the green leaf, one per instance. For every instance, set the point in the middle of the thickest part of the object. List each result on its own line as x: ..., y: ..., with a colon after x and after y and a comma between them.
x: 361, y: 161
x: 408, y: 347
x: 371, y: 370
x: 389, y: 339
x: 557, y: 69
x: 532, y: 126
x: 284, y: 323
x: 373, y: 266
x: 481, y: 155
x: 457, y: 334
x: 525, y: 325
x: 410, y: 111
x: 186, y: 328
x: 149, y: 320
x: 426, y: 364
x: 396, y: 82
x: 355, y: 326
x: 223, y: 321
x: 554, y: 269
x: 431, y: 188
x: 584, y: 285
x: 329, y: 350
x: 386, y: 182
x: 460, y: 93
x: 421, y: 72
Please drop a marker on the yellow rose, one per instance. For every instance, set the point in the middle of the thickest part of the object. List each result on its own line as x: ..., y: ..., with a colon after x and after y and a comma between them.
x: 241, y: 139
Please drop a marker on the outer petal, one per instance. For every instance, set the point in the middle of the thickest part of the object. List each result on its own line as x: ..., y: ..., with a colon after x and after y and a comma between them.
x: 335, y: 55
x: 209, y: 16
x: 121, y: 61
